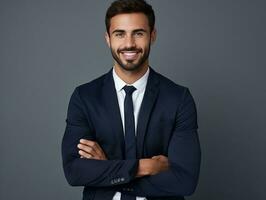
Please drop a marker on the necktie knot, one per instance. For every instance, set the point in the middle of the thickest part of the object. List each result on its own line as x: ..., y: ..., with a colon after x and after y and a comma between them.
x: 129, y: 89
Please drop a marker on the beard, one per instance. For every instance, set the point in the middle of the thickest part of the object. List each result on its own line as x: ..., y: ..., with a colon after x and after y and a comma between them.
x: 131, y: 65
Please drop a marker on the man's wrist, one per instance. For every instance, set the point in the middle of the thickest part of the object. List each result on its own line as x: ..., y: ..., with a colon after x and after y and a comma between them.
x: 145, y: 167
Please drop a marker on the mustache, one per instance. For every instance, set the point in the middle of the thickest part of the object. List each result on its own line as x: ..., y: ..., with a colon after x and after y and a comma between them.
x: 129, y: 49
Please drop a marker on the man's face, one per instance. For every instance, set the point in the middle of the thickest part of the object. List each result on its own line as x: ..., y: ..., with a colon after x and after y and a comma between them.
x: 129, y: 40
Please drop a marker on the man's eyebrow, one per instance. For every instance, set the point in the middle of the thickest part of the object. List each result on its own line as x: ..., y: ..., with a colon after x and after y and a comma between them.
x: 118, y: 31
x: 139, y: 30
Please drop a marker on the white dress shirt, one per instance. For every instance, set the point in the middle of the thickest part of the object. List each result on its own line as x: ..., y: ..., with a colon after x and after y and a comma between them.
x: 137, y: 98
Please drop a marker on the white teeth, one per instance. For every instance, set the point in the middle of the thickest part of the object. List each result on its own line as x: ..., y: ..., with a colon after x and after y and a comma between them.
x: 130, y: 55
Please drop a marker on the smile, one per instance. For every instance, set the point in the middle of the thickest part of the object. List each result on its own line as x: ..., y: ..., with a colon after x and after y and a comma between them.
x: 129, y: 55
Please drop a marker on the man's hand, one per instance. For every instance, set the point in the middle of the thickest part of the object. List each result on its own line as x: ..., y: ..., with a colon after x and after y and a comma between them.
x: 152, y: 166
x: 91, y: 150
x: 149, y: 166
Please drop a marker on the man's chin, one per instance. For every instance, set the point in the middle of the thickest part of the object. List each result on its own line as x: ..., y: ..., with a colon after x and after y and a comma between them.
x: 130, y: 67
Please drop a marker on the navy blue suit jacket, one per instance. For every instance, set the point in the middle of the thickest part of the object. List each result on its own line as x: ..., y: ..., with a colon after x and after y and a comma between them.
x: 167, y: 125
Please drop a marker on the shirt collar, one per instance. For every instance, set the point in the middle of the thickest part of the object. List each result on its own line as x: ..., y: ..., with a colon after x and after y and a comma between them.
x: 140, y: 84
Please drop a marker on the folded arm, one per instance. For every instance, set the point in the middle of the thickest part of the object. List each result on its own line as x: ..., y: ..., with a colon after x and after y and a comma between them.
x: 89, y: 172
x: 184, y: 159
x: 90, y: 149
x: 180, y: 180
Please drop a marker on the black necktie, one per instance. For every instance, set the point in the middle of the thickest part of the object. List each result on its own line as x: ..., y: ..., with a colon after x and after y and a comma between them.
x: 130, y: 143
x: 130, y: 138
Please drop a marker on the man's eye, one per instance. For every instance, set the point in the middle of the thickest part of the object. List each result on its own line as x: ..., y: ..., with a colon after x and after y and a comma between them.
x: 139, y: 34
x: 119, y: 35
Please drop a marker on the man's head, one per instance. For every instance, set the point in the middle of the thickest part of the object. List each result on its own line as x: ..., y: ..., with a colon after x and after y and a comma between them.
x: 129, y: 6
x: 130, y: 32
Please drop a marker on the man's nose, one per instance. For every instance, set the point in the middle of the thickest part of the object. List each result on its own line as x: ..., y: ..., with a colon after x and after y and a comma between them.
x: 130, y: 42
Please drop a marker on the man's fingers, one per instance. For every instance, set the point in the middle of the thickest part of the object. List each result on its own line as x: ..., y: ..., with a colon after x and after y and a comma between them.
x: 87, y: 149
x: 92, y: 148
x: 84, y: 154
x: 94, y: 145
x: 89, y: 143
x: 88, y: 156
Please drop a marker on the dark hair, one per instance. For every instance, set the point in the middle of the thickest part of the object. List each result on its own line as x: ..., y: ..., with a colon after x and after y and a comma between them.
x: 129, y: 6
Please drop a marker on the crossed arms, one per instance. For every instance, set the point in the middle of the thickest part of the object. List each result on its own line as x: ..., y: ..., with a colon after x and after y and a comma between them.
x: 174, y: 175
x: 91, y: 150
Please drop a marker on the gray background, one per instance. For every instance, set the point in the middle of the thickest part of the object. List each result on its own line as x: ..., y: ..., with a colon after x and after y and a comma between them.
x: 215, y: 47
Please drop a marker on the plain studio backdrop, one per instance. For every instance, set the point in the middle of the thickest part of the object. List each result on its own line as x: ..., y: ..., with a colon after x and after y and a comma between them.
x: 216, y: 48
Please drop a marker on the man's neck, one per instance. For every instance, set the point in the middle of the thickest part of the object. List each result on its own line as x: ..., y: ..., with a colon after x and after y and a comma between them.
x: 130, y: 77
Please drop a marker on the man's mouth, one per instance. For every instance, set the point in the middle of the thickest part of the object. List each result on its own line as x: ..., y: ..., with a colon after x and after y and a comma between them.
x: 130, y: 55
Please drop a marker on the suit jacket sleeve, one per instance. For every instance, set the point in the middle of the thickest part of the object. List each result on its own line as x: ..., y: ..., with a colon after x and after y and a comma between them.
x: 89, y: 172
x: 184, y: 157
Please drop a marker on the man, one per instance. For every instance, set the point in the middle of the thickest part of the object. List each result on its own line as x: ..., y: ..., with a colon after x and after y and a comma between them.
x: 132, y: 133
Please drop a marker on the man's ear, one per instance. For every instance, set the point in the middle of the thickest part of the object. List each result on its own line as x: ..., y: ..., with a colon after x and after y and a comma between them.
x: 153, y: 35
x: 107, y: 38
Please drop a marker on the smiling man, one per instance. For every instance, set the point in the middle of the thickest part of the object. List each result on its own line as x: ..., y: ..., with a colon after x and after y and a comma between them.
x: 129, y: 37
x: 131, y: 134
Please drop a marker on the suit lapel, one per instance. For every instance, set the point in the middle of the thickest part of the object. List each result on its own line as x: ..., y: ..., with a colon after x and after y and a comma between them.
x: 148, y: 102
x: 112, y: 109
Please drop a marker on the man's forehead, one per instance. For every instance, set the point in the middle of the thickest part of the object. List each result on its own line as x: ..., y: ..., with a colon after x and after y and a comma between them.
x: 129, y: 21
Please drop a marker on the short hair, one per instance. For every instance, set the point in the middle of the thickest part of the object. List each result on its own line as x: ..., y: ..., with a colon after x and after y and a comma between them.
x: 129, y: 6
